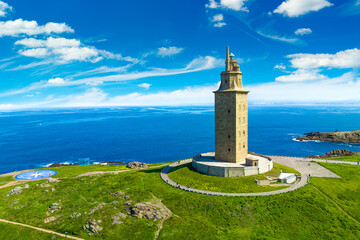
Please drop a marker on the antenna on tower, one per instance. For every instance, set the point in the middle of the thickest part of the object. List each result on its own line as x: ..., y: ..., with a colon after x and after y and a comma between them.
x: 227, y: 63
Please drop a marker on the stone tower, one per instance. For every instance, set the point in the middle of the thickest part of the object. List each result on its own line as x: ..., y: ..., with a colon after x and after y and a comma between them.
x: 231, y: 115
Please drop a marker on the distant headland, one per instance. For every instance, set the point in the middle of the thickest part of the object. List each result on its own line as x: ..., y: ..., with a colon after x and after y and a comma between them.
x: 345, y: 137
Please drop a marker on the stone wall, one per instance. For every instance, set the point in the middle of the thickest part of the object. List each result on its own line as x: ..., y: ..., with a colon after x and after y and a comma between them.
x: 225, y: 171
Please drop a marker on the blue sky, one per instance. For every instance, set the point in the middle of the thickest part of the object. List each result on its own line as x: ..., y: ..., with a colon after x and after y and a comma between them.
x: 151, y: 53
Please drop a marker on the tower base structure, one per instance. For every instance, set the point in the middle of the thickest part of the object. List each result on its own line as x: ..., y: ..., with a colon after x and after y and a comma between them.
x: 255, y: 164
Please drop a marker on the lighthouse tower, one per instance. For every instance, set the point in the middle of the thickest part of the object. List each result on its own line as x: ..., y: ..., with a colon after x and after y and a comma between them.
x: 231, y: 115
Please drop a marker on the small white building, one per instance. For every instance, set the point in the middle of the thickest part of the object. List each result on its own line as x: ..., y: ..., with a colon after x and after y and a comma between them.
x: 287, y: 177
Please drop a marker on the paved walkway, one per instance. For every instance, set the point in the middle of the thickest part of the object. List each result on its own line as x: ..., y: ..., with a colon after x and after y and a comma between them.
x: 304, y: 166
x: 9, y: 184
x: 319, y: 160
x: 14, y: 173
x: 40, y: 229
x: 164, y: 175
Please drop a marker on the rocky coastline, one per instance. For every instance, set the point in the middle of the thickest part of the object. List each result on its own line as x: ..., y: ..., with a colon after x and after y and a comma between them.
x: 335, y: 153
x: 345, y: 137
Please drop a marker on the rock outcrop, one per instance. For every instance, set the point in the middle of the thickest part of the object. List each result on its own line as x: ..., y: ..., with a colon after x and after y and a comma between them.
x: 94, y: 209
x: 149, y: 211
x: 49, y: 219
x: 346, y: 137
x: 52, y: 180
x: 118, y: 194
x: 14, y: 191
x: 334, y: 153
x: 92, y: 226
x: 136, y: 165
x: 63, y: 164
x: 116, y: 218
x: 54, y: 206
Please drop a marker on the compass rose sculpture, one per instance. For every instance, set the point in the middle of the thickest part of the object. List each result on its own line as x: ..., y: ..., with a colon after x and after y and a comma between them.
x: 33, y: 175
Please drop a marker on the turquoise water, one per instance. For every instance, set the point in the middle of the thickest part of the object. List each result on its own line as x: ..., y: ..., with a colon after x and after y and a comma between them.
x: 30, y: 139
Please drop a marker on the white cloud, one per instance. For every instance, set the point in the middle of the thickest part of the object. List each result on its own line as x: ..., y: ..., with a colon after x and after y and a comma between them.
x: 75, y: 53
x: 303, y: 31
x: 64, y: 50
x: 345, y: 89
x: 117, y: 56
x: 30, y: 65
x: 35, y: 52
x: 95, y: 97
x: 50, y: 42
x: 233, y: 4
x: 23, y: 27
x: 301, y: 75
x: 237, y: 5
x: 349, y: 58
x: 212, y: 4
x: 102, y: 69
x: 196, y: 96
x: 56, y: 81
x: 280, y: 67
x: 219, y: 24
x: 145, y: 85
x: 280, y: 38
x: 198, y: 64
x: 170, y: 51
x: 61, y: 42
x: 203, y: 63
x: 349, y: 8
x: 4, y: 8
x: 92, y: 97
x: 30, y: 42
x: 217, y: 20
x: 8, y: 107
x: 306, y: 84
x: 296, y: 8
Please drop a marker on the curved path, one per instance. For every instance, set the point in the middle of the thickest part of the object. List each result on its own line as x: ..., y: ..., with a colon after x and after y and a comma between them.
x: 40, y: 229
x: 165, y: 177
x: 118, y: 171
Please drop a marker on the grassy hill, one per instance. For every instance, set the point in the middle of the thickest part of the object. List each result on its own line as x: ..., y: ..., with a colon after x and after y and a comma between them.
x: 354, y: 158
x: 306, y: 213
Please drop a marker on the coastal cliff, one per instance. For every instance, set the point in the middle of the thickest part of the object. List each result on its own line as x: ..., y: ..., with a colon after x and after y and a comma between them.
x: 346, y: 137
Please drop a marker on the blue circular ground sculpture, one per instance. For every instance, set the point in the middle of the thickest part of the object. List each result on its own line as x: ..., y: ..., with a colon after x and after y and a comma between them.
x: 34, y: 175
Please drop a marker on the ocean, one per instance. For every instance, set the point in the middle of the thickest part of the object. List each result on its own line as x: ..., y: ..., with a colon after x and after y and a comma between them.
x: 32, y: 139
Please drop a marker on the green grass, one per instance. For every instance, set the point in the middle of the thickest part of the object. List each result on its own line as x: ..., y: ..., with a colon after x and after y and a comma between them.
x: 9, y: 231
x: 301, y: 214
x: 73, y: 171
x: 187, y: 176
x: 354, y: 158
x: 344, y: 191
x: 4, y: 180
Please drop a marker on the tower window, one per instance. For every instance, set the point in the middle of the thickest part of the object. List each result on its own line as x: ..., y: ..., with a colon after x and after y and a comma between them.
x: 229, y: 149
x: 244, y: 132
x: 244, y: 146
x: 225, y: 81
x: 228, y: 136
x: 228, y: 111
